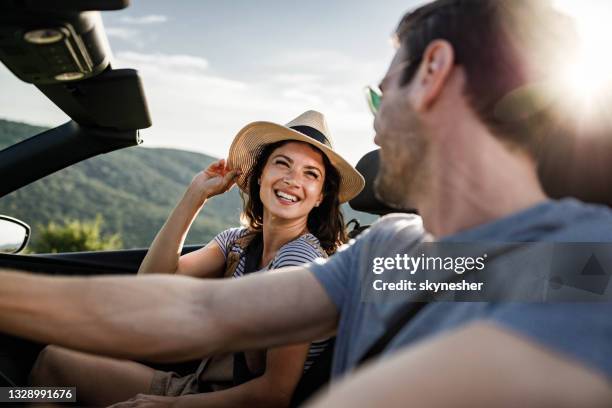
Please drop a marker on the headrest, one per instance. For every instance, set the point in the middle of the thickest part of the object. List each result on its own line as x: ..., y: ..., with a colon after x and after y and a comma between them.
x: 366, y: 201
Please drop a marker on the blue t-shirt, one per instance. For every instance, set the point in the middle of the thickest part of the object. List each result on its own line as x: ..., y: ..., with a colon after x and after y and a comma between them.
x: 582, y: 331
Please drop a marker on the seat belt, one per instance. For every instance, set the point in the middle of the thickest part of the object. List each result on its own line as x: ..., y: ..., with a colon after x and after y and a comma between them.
x: 397, y: 322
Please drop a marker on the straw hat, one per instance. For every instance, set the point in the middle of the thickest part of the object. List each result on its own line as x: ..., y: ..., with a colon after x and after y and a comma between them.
x: 310, y: 127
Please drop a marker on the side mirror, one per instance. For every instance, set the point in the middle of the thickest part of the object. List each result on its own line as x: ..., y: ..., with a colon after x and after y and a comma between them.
x: 14, y: 235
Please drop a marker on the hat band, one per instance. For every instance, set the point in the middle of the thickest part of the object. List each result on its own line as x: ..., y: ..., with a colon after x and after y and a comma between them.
x: 313, y: 134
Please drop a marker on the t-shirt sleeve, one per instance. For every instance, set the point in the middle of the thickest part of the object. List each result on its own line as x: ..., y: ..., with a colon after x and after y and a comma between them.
x: 226, y: 239
x: 341, y: 275
x: 581, y: 331
x: 334, y: 273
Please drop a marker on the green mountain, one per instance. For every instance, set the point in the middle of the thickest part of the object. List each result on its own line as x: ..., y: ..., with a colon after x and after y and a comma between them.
x: 133, y: 189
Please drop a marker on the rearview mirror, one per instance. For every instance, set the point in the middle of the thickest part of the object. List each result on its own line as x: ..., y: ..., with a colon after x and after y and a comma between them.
x: 14, y: 235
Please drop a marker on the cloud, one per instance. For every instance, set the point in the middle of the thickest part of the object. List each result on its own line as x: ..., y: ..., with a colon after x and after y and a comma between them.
x: 320, y: 61
x: 129, y: 35
x: 122, y: 32
x: 168, y: 61
x: 142, y: 20
x: 195, y: 107
x: 292, y: 78
x: 125, y: 30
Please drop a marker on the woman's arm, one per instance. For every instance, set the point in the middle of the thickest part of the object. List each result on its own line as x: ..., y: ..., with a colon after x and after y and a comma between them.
x: 164, y: 256
x: 284, y: 367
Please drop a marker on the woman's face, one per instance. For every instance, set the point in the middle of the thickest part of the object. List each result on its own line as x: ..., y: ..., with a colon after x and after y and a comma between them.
x: 291, y: 182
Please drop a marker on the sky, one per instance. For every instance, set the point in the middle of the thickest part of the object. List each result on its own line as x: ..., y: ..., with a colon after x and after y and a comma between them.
x: 210, y: 67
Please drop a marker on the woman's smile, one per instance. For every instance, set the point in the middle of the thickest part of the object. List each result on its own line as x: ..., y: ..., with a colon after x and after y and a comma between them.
x: 286, y: 198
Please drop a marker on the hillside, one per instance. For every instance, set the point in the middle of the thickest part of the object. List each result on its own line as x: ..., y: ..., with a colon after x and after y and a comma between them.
x: 133, y: 189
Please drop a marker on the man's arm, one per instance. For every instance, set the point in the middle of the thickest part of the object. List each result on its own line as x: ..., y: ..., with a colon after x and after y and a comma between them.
x: 166, y: 318
x: 479, y: 365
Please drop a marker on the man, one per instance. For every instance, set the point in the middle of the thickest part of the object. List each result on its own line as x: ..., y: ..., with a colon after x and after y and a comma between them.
x: 445, y: 151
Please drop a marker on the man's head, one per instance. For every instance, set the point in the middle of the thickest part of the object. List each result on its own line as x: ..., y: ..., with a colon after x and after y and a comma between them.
x: 456, y: 60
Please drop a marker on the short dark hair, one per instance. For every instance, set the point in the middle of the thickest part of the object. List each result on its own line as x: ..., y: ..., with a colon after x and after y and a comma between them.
x: 502, y: 45
x: 325, y: 222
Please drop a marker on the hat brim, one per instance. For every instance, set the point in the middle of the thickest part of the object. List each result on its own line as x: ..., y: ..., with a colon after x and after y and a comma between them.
x: 252, y: 137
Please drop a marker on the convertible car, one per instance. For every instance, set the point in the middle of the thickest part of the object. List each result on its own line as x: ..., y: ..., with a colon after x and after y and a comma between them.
x: 60, y: 47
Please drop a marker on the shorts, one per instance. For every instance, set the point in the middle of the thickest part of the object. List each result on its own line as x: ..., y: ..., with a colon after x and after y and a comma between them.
x: 173, y: 385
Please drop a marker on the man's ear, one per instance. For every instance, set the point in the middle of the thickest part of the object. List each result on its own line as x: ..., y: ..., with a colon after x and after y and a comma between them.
x: 436, y: 65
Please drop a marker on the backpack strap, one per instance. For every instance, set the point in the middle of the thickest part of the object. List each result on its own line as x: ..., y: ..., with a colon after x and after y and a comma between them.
x: 252, y: 249
x: 253, y: 253
x: 233, y: 257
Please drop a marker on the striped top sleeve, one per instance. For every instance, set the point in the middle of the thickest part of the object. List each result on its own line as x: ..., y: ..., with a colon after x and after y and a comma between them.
x: 226, y: 239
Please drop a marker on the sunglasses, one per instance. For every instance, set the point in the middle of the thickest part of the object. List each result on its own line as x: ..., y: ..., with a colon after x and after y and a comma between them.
x: 373, y: 96
x: 373, y: 93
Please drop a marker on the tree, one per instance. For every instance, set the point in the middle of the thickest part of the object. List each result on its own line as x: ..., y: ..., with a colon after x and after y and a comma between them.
x: 74, y: 236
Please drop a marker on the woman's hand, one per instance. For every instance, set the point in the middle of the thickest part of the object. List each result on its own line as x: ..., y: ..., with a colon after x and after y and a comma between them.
x: 216, y: 179
x: 147, y: 401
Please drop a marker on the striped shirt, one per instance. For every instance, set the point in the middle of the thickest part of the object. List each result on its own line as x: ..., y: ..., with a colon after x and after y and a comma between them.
x: 301, y: 250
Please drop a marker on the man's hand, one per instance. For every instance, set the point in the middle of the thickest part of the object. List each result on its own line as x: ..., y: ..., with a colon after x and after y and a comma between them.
x: 147, y: 401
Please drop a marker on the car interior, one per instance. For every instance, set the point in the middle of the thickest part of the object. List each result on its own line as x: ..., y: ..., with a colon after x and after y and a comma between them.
x: 59, y: 46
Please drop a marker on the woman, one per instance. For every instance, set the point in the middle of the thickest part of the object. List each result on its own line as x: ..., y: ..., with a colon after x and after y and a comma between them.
x: 295, y: 184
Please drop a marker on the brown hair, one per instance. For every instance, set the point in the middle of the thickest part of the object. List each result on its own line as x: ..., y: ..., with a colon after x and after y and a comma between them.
x: 325, y: 222
x: 501, y: 45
